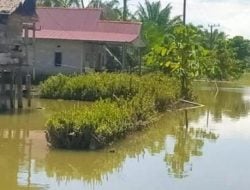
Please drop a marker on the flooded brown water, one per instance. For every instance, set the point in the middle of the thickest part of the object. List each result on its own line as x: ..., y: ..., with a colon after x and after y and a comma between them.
x: 212, y: 152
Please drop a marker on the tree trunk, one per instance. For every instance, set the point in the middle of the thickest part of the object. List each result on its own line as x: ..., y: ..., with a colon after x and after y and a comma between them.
x: 125, y: 10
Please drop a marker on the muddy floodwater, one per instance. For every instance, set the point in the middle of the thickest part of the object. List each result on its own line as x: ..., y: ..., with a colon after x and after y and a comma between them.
x: 208, y: 151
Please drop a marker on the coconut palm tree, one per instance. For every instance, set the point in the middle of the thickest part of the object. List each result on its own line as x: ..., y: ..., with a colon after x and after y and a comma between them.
x: 61, y: 3
x: 152, y: 12
x: 110, y: 8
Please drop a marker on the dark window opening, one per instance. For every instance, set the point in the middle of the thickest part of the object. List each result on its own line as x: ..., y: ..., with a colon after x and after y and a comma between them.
x: 58, y: 59
x: 3, y: 19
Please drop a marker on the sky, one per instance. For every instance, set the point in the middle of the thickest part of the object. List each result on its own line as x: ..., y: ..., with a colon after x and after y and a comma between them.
x: 233, y: 16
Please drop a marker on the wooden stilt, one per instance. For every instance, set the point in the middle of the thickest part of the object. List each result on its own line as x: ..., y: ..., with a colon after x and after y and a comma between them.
x: 28, y: 88
x: 19, y: 89
x: 34, y: 51
x: 12, y: 90
x: 124, y: 57
x: 3, y: 92
x: 186, y: 118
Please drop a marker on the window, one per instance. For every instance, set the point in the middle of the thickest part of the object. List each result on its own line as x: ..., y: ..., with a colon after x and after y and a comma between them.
x: 58, y: 59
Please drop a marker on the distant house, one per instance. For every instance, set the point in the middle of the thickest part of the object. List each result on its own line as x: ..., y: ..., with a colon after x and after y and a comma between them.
x: 77, y: 40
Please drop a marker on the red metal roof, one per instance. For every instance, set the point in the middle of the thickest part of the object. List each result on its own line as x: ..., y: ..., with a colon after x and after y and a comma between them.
x: 83, y: 24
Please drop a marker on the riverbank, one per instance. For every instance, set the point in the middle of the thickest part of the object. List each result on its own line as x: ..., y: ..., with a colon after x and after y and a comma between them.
x: 123, y: 103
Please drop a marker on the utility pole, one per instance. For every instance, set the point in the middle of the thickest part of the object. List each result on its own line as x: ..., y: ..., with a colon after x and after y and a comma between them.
x: 212, y: 26
x: 82, y: 4
x: 125, y: 8
x: 184, y: 11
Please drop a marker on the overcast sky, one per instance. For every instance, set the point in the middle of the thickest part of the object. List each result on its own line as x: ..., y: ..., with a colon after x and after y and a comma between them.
x: 232, y: 15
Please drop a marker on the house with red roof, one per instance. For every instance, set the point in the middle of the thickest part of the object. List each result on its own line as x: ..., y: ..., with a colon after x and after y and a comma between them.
x: 70, y: 40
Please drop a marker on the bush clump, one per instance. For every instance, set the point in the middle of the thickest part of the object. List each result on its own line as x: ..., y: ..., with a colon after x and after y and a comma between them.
x: 90, y: 127
x: 97, y: 86
x: 130, y: 103
x: 90, y: 87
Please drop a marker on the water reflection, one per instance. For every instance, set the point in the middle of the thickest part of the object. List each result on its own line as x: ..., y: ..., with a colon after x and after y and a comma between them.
x: 176, y: 141
x: 230, y: 102
x: 93, y: 167
x: 188, y: 143
x: 22, y: 144
x: 18, y: 148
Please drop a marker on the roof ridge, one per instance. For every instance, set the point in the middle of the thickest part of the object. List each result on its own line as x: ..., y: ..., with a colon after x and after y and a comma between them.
x: 121, y: 22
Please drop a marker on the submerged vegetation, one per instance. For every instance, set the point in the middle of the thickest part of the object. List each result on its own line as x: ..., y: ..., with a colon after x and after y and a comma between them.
x: 131, y: 104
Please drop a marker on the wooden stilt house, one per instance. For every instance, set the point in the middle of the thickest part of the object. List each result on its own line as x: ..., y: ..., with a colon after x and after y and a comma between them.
x: 17, y: 17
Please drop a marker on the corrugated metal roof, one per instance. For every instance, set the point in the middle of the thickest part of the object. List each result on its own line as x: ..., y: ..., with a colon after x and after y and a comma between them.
x: 83, y: 24
x: 119, y: 27
x: 86, y: 36
x: 66, y: 19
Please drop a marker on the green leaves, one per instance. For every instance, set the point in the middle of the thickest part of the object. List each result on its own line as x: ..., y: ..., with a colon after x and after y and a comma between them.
x: 187, y: 53
x: 181, y: 54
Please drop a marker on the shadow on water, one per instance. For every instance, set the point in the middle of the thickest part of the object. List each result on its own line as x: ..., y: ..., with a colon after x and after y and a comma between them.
x: 176, y: 140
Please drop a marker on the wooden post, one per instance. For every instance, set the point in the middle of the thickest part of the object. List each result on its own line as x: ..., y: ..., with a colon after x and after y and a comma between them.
x: 12, y: 90
x: 186, y: 118
x: 26, y: 41
x: 19, y: 89
x: 34, y: 51
x: 28, y: 88
x: 82, y: 61
x: 104, y: 57
x: 124, y: 56
x: 3, y: 92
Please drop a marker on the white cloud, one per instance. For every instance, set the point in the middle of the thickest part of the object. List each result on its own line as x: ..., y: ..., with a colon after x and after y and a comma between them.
x: 232, y: 15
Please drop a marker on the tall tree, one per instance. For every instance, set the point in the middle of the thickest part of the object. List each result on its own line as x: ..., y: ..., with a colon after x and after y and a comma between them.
x: 224, y: 61
x: 60, y: 3
x: 125, y: 9
x: 152, y: 12
x: 110, y: 8
x: 180, y: 55
x: 241, y: 48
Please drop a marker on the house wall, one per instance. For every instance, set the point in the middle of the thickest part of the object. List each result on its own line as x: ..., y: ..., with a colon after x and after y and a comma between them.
x: 45, y: 56
x: 77, y: 56
x: 10, y: 37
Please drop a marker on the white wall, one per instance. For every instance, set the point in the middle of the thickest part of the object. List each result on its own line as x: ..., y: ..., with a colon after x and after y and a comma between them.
x: 77, y: 56
x: 45, y: 60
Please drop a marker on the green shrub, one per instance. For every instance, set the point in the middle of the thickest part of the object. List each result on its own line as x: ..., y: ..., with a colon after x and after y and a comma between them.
x: 90, y: 87
x: 53, y: 87
x: 97, y: 86
x: 131, y: 103
x: 89, y: 127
